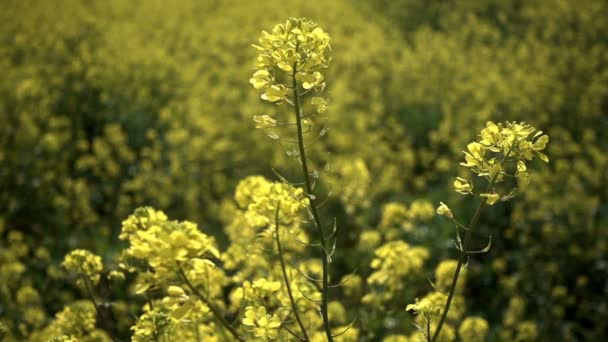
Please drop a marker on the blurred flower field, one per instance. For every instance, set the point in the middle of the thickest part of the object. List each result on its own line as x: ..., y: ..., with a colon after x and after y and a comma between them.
x: 156, y: 186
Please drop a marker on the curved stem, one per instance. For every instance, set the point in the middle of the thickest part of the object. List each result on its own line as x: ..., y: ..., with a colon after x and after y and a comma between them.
x: 313, y: 206
x: 286, y: 278
x: 216, y: 312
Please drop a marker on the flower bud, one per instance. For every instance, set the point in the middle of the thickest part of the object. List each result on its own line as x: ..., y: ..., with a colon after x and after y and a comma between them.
x: 445, y: 211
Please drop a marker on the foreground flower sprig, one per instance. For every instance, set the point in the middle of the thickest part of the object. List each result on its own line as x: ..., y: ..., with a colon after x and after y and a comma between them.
x: 171, y: 254
x: 290, y: 65
x: 501, y: 153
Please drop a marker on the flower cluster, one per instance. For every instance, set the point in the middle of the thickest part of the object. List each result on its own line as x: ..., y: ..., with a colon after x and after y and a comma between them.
x: 353, y: 179
x: 263, y: 326
x: 473, y: 329
x: 168, y: 249
x: 397, y: 218
x: 428, y: 310
x: 84, y: 264
x: 444, y: 273
x: 297, y: 48
x: 502, y: 152
x: 261, y: 198
x: 430, y: 306
x: 75, y: 321
x: 393, y: 263
x: 151, y: 325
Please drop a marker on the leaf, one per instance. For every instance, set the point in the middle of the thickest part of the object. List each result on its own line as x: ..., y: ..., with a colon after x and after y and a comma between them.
x: 487, y: 248
x: 484, y: 250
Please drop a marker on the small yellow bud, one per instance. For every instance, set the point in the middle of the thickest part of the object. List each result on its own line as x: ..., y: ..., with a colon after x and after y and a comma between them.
x: 175, y: 291
x: 116, y: 275
x: 445, y: 210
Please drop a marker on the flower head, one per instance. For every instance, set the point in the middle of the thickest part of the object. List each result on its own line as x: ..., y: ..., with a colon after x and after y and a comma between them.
x: 502, y: 151
x: 263, y: 326
x: 445, y: 211
x: 84, y: 263
x: 296, y: 50
x: 463, y: 186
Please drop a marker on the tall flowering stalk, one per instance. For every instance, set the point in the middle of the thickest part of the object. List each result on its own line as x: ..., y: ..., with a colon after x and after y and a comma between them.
x: 290, y: 65
x: 501, y: 154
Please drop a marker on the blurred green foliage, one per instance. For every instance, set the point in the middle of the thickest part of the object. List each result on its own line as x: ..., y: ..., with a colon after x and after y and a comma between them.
x: 110, y: 105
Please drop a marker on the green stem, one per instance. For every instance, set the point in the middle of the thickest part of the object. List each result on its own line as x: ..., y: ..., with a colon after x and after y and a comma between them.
x: 101, y: 314
x: 89, y: 291
x: 464, y: 249
x: 313, y: 207
x: 286, y: 278
x: 216, y: 312
x: 461, y: 260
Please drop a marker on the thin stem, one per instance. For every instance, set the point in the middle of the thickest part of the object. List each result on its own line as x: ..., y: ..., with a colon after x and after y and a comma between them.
x: 286, y: 278
x: 101, y: 314
x: 461, y: 260
x: 91, y: 296
x: 216, y: 312
x: 464, y: 250
x: 313, y: 207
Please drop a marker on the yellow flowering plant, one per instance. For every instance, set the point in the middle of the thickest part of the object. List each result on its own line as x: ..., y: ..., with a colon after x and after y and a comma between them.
x: 290, y: 65
x: 183, y: 276
x: 501, y: 153
x: 345, y: 237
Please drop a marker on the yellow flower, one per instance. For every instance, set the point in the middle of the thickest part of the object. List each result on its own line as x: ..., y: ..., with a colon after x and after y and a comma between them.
x: 264, y: 121
x: 463, y: 186
x: 296, y: 48
x: 445, y: 211
x: 163, y: 247
x: 265, y: 285
x: 321, y: 104
x: 261, y: 324
x: 175, y: 291
x: 150, y: 325
x: 393, y: 262
x: 473, y: 329
x: 503, y: 150
x: 261, y: 79
x: 275, y: 93
x: 310, y: 80
x: 491, y: 198
x: 84, y: 263
x: 474, y: 156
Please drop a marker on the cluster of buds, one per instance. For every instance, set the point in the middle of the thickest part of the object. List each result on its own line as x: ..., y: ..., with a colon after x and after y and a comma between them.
x: 295, y: 52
